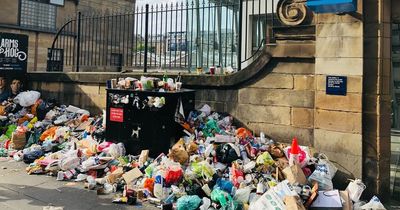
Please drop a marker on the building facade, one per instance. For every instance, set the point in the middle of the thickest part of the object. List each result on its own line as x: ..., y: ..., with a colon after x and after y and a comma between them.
x: 41, y: 19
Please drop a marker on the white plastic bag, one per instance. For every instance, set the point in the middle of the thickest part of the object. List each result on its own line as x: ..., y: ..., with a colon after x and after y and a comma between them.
x: 355, y: 189
x: 323, y: 159
x: 69, y: 161
x: 322, y: 176
x: 374, y: 204
x: 116, y: 150
x: 243, y: 195
x: 27, y: 98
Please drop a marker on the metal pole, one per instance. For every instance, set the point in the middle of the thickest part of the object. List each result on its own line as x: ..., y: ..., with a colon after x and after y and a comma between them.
x: 219, y: 35
x: 239, y: 41
x: 146, y: 37
x: 198, y: 38
x: 78, y: 48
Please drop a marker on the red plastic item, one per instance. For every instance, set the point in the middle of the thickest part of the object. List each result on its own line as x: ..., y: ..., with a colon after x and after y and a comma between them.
x: 173, y: 175
x: 296, y: 150
x: 295, y: 147
x: 237, y: 176
x: 7, y: 144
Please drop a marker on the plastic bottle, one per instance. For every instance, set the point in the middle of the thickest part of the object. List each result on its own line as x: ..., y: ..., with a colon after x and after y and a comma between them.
x: 158, y: 187
x: 243, y: 153
x: 262, y: 138
x: 294, y: 153
x: 91, y: 182
x: 260, y: 188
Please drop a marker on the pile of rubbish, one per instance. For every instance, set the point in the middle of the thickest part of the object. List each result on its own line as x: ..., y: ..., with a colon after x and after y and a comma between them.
x: 214, y: 166
x: 146, y: 83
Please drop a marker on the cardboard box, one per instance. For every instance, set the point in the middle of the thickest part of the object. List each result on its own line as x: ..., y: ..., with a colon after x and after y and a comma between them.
x: 294, y: 174
x: 346, y: 201
x: 132, y: 175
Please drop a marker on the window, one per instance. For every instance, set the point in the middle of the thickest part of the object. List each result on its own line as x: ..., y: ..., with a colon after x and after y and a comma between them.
x: 38, y: 14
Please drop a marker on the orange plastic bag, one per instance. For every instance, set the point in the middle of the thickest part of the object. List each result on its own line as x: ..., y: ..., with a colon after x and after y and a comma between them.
x: 149, y: 184
x: 243, y: 133
x: 48, y: 133
x: 35, y: 106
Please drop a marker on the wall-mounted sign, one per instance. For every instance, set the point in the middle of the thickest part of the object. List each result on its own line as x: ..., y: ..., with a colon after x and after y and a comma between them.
x: 336, y: 85
x: 13, y: 52
x: 332, y: 6
x: 116, y: 114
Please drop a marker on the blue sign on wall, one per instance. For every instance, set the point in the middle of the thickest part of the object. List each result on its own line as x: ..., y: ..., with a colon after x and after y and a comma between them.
x: 332, y: 6
x: 336, y: 85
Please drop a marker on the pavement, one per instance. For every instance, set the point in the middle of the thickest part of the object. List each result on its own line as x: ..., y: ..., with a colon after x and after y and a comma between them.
x: 18, y: 190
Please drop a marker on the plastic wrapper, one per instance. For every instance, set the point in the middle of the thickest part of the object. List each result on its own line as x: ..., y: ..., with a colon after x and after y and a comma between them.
x: 27, y: 98
x: 69, y: 161
x: 149, y: 184
x: 188, y: 202
x: 49, y: 133
x: 323, y: 160
x: 243, y: 195
x: 304, y: 155
x: 265, y: 159
x: 31, y: 156
x: 10, y: 130
x: 225, y: 185
x: 321, y: 176
x: 227, y: 153
x: 203, y: 169
x: 221, y: 197
x: 173, y: 175
x: 355, y: 189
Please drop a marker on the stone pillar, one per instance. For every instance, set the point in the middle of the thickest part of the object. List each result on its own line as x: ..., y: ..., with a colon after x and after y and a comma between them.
x: 338, y: 119
x: 376, y: 97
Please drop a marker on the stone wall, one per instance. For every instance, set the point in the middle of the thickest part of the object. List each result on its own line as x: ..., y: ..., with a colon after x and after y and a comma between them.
x: 338, y: 119
x: 87, y: 6
x: 377, y: 96
x: 286, y: 97
x: 279, y: 102
x: 9, y: 14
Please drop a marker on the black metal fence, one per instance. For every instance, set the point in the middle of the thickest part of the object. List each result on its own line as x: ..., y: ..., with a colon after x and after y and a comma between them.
x: 181, y: 36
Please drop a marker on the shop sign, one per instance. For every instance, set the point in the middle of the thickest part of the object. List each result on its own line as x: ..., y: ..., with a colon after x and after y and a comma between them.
x: 332, y: 6
x: 117, y: 115
x: 13, y: 52
x: 336, y: 85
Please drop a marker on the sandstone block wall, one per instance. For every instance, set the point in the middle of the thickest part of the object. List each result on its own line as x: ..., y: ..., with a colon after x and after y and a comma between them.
x: 287, y: 98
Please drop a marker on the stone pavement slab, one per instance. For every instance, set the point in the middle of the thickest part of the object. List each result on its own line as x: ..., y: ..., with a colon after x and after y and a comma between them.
x: 18, y: 190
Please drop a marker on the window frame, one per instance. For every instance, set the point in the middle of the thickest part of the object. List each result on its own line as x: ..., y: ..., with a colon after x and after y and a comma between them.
x: 37, y: 27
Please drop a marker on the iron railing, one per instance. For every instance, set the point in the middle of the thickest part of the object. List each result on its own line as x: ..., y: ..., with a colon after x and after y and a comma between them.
x: 180, y: 36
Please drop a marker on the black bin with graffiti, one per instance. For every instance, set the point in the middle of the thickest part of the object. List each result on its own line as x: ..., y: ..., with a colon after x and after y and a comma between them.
x: 146, y: 119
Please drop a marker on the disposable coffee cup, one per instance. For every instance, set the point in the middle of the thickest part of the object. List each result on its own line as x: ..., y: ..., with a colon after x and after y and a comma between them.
x: 178, y: 86
x: 212, y: 70
x: 113, y: 83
